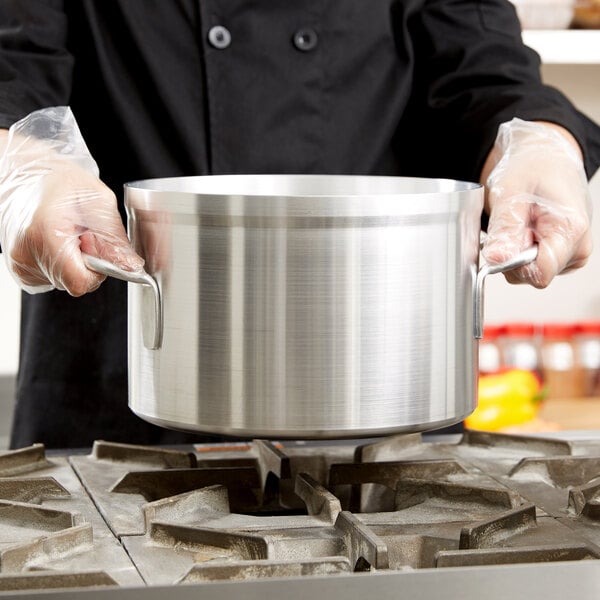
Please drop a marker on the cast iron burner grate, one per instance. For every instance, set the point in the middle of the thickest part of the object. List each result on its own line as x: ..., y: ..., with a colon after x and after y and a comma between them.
x: 129, y: 515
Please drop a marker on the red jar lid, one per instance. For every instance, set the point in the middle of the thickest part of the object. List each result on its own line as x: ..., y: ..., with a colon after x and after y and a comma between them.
x: 587, y: 328
x: 492, y: 332
x: 558, y: 331
x: 519, y: 329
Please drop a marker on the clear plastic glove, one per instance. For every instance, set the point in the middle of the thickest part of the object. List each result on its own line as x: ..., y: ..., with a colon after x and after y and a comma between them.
x: 537, y: 192
x: 53, y: 207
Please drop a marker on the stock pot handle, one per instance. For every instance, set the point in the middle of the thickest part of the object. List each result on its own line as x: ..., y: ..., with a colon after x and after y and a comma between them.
x: 517, y: 261
x: 152, y: 317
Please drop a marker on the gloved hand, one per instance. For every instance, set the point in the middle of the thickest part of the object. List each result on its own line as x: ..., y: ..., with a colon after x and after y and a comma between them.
x: 53, y: 206
x: 537, y: 192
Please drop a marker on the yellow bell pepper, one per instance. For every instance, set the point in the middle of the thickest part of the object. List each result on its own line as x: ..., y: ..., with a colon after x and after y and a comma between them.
x: 505, y: 399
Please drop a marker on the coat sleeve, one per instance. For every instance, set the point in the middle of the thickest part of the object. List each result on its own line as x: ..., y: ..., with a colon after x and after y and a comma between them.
x: 473, y: 72
x: 35, y: 66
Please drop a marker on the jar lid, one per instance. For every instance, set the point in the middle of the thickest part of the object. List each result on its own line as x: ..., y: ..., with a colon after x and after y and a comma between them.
x: 557, y: 331
x: 587, y: 328
x: 519, y: 329
x: 492, y: 332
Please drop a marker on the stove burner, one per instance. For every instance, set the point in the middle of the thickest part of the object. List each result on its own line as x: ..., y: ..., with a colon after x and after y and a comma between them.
x: 128, y: 515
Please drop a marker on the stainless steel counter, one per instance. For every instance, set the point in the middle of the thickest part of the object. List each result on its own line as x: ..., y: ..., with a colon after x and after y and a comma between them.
x: 556, y: 581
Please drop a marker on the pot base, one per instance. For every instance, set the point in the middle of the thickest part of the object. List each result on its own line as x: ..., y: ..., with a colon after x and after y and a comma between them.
x: 302, y: 434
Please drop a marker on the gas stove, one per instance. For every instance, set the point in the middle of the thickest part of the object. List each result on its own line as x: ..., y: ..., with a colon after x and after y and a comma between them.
x: 405, y: 516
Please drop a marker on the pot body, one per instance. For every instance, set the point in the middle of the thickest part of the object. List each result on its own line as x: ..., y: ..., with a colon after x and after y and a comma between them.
x: 305, y: 306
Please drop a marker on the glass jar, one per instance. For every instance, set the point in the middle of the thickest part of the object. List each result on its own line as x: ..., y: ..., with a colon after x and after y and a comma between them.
x: 587, y: 355
x: 563, y: 375
x: 490, y: 356
x: 519, y: 343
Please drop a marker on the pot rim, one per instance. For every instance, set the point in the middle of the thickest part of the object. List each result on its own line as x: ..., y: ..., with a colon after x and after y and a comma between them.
x: 304, y: 195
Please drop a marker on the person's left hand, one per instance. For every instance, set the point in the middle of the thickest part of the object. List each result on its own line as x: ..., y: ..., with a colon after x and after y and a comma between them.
x: 537, y: 192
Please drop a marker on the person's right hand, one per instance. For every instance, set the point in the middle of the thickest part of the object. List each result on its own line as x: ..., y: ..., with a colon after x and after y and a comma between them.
x: 53, y: 207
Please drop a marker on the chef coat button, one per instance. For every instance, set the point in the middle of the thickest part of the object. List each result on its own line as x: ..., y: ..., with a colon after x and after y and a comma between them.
x: 219, y: 37
x: 305, y: 39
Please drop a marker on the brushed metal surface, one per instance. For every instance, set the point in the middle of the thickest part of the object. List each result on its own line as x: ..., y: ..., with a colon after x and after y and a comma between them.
x: 539, y: 581
x: 305, y: 306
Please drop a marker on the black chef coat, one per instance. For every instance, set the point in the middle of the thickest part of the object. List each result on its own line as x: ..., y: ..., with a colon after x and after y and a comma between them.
x: 182, y: 87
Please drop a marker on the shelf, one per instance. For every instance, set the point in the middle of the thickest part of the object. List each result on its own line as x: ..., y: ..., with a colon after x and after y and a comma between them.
x: 569, y: 46
x: 572, y: 413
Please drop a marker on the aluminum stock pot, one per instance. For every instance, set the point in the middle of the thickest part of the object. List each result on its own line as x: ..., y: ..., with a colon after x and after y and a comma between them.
x: 300, y: 306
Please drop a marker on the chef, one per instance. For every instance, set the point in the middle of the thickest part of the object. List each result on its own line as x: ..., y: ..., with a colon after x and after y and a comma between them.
x: 97, y: 93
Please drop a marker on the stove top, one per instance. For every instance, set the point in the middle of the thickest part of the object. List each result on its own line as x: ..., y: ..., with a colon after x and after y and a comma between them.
x: 370, y: 517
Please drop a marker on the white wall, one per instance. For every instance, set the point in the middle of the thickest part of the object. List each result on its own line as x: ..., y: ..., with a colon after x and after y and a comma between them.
x: 10, y: 301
